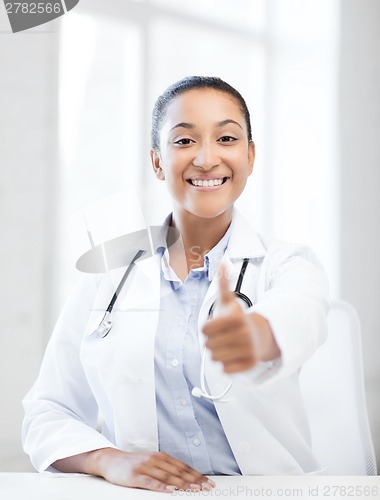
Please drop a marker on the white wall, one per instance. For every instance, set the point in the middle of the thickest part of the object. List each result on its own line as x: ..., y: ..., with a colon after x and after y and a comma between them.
x: 360, y: 183
x: 28, y: 124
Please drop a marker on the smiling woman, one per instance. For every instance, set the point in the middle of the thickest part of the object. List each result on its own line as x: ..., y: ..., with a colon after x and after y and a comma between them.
x: 202, y: 143
x: 201, y: 135
x: 161, y: 431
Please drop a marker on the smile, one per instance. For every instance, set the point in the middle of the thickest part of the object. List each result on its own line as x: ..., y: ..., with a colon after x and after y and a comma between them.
x: 207, y: 183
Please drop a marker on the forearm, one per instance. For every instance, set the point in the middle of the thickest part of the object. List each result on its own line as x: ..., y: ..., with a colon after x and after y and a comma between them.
x: 86, y: 463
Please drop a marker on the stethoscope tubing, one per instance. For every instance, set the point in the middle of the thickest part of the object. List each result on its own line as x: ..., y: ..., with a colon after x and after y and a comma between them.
x: 202, y: 393
x: 123, y: 280
x: 247, y: 301
x: 106, y: 324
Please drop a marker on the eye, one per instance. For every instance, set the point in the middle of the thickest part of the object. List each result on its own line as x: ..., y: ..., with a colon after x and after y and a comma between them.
x: 184, y: 142
x: 227, y: 138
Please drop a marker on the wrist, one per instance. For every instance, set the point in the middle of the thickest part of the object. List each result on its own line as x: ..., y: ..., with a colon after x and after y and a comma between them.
x: 265, y: 343
x: 98, y: 460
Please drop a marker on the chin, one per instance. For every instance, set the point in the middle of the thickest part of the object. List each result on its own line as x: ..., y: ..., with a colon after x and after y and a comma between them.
x: 210, y: 212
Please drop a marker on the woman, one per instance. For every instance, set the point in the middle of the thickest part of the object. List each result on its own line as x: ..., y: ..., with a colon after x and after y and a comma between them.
x: 166, y: 424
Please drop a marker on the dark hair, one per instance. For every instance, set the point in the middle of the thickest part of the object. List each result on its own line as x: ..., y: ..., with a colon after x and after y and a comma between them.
x: 190, y: 83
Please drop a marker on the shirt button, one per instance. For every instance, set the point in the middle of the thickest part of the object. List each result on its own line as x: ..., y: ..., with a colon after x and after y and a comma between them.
x: 196, y: 441
x: 183, y: 402
x: 175, y: 362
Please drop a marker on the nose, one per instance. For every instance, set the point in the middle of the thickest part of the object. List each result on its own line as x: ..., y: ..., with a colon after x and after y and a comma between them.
x: 207, y: 156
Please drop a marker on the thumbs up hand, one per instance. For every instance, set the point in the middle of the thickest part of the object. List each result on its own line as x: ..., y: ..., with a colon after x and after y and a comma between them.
x: 235, y: 338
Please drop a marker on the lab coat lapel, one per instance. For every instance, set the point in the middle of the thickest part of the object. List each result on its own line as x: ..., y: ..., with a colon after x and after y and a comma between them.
x: 141, y: 418
x: 122, y: 363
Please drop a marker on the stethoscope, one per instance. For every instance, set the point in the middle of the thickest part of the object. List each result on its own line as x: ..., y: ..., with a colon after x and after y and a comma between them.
x: 106, y: 324
x: 201, y: 392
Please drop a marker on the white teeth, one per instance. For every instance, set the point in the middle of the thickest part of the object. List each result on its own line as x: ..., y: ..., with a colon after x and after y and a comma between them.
x: 206, y: 183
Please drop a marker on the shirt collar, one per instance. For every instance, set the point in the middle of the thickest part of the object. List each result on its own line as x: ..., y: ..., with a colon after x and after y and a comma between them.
x: 214, y: 256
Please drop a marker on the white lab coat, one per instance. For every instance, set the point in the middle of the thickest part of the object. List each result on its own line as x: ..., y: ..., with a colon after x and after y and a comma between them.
x: 83, y: 375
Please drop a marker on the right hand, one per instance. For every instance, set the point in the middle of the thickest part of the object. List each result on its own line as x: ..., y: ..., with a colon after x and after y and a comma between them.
x: 155, y: 471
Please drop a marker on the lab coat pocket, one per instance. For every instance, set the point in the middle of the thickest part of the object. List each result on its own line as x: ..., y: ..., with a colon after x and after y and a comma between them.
x: 127, y: 349
x: 120, y: 370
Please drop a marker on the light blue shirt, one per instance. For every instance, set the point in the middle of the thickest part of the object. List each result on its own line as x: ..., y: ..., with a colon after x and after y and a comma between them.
x: 188, y: 428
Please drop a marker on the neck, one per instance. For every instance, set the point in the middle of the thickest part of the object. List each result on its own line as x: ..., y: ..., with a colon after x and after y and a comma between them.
x: 200, y: 234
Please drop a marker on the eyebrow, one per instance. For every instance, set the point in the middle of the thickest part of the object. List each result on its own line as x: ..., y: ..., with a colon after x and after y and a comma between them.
x: 182, y: 125
x: 226, y: 122
x: 219, y: 124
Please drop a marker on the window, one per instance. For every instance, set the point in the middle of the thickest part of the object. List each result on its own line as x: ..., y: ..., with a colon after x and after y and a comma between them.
x: 116, y: 57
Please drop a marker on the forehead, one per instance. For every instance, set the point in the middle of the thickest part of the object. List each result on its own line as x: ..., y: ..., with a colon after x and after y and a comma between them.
x: 203, y: 105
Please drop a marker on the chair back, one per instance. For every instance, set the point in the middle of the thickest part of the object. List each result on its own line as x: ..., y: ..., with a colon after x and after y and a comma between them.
x: 332, y: 384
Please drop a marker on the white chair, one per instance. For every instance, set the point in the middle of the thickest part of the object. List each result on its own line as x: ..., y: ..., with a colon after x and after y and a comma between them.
x: 333, y: 387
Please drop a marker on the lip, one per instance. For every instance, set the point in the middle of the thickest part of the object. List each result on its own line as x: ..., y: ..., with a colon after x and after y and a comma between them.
x: 206, y: 177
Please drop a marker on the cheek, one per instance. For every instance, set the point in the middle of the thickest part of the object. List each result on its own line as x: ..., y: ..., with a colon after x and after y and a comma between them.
x: 176, y: 164
x: 238, y: 156
x: 240, y: 168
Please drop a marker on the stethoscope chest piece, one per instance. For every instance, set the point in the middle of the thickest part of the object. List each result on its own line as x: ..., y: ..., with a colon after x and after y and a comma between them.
x: 104, y: 326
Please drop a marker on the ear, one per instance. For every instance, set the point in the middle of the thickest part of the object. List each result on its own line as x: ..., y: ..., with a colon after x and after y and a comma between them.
x: 156, y: 164
x: 251, y: 156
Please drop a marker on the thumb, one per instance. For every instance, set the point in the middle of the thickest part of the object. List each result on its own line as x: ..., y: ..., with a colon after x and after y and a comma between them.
x: 226, y: 297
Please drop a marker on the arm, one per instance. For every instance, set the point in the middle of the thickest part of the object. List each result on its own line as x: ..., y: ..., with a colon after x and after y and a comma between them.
x: 61, y: 406
x: 155, y: 471
x: 285, y: 326
x: 61, y: 415
x: 237, y: 339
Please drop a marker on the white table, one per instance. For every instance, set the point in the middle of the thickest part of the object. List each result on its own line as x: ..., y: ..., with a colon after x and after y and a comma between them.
x: 33, y: 486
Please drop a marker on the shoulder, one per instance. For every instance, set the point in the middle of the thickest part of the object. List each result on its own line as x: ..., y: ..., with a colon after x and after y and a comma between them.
x: 279, y: 261
x: 280, y: 251
x: 245, y: 241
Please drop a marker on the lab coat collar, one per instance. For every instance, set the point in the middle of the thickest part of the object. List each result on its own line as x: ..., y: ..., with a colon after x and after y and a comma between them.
x: 243, y: 242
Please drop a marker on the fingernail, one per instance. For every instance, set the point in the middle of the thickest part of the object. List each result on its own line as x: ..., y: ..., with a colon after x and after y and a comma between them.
x: 170, y: 488
x: 211, y: 482
x: 206, y: 486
